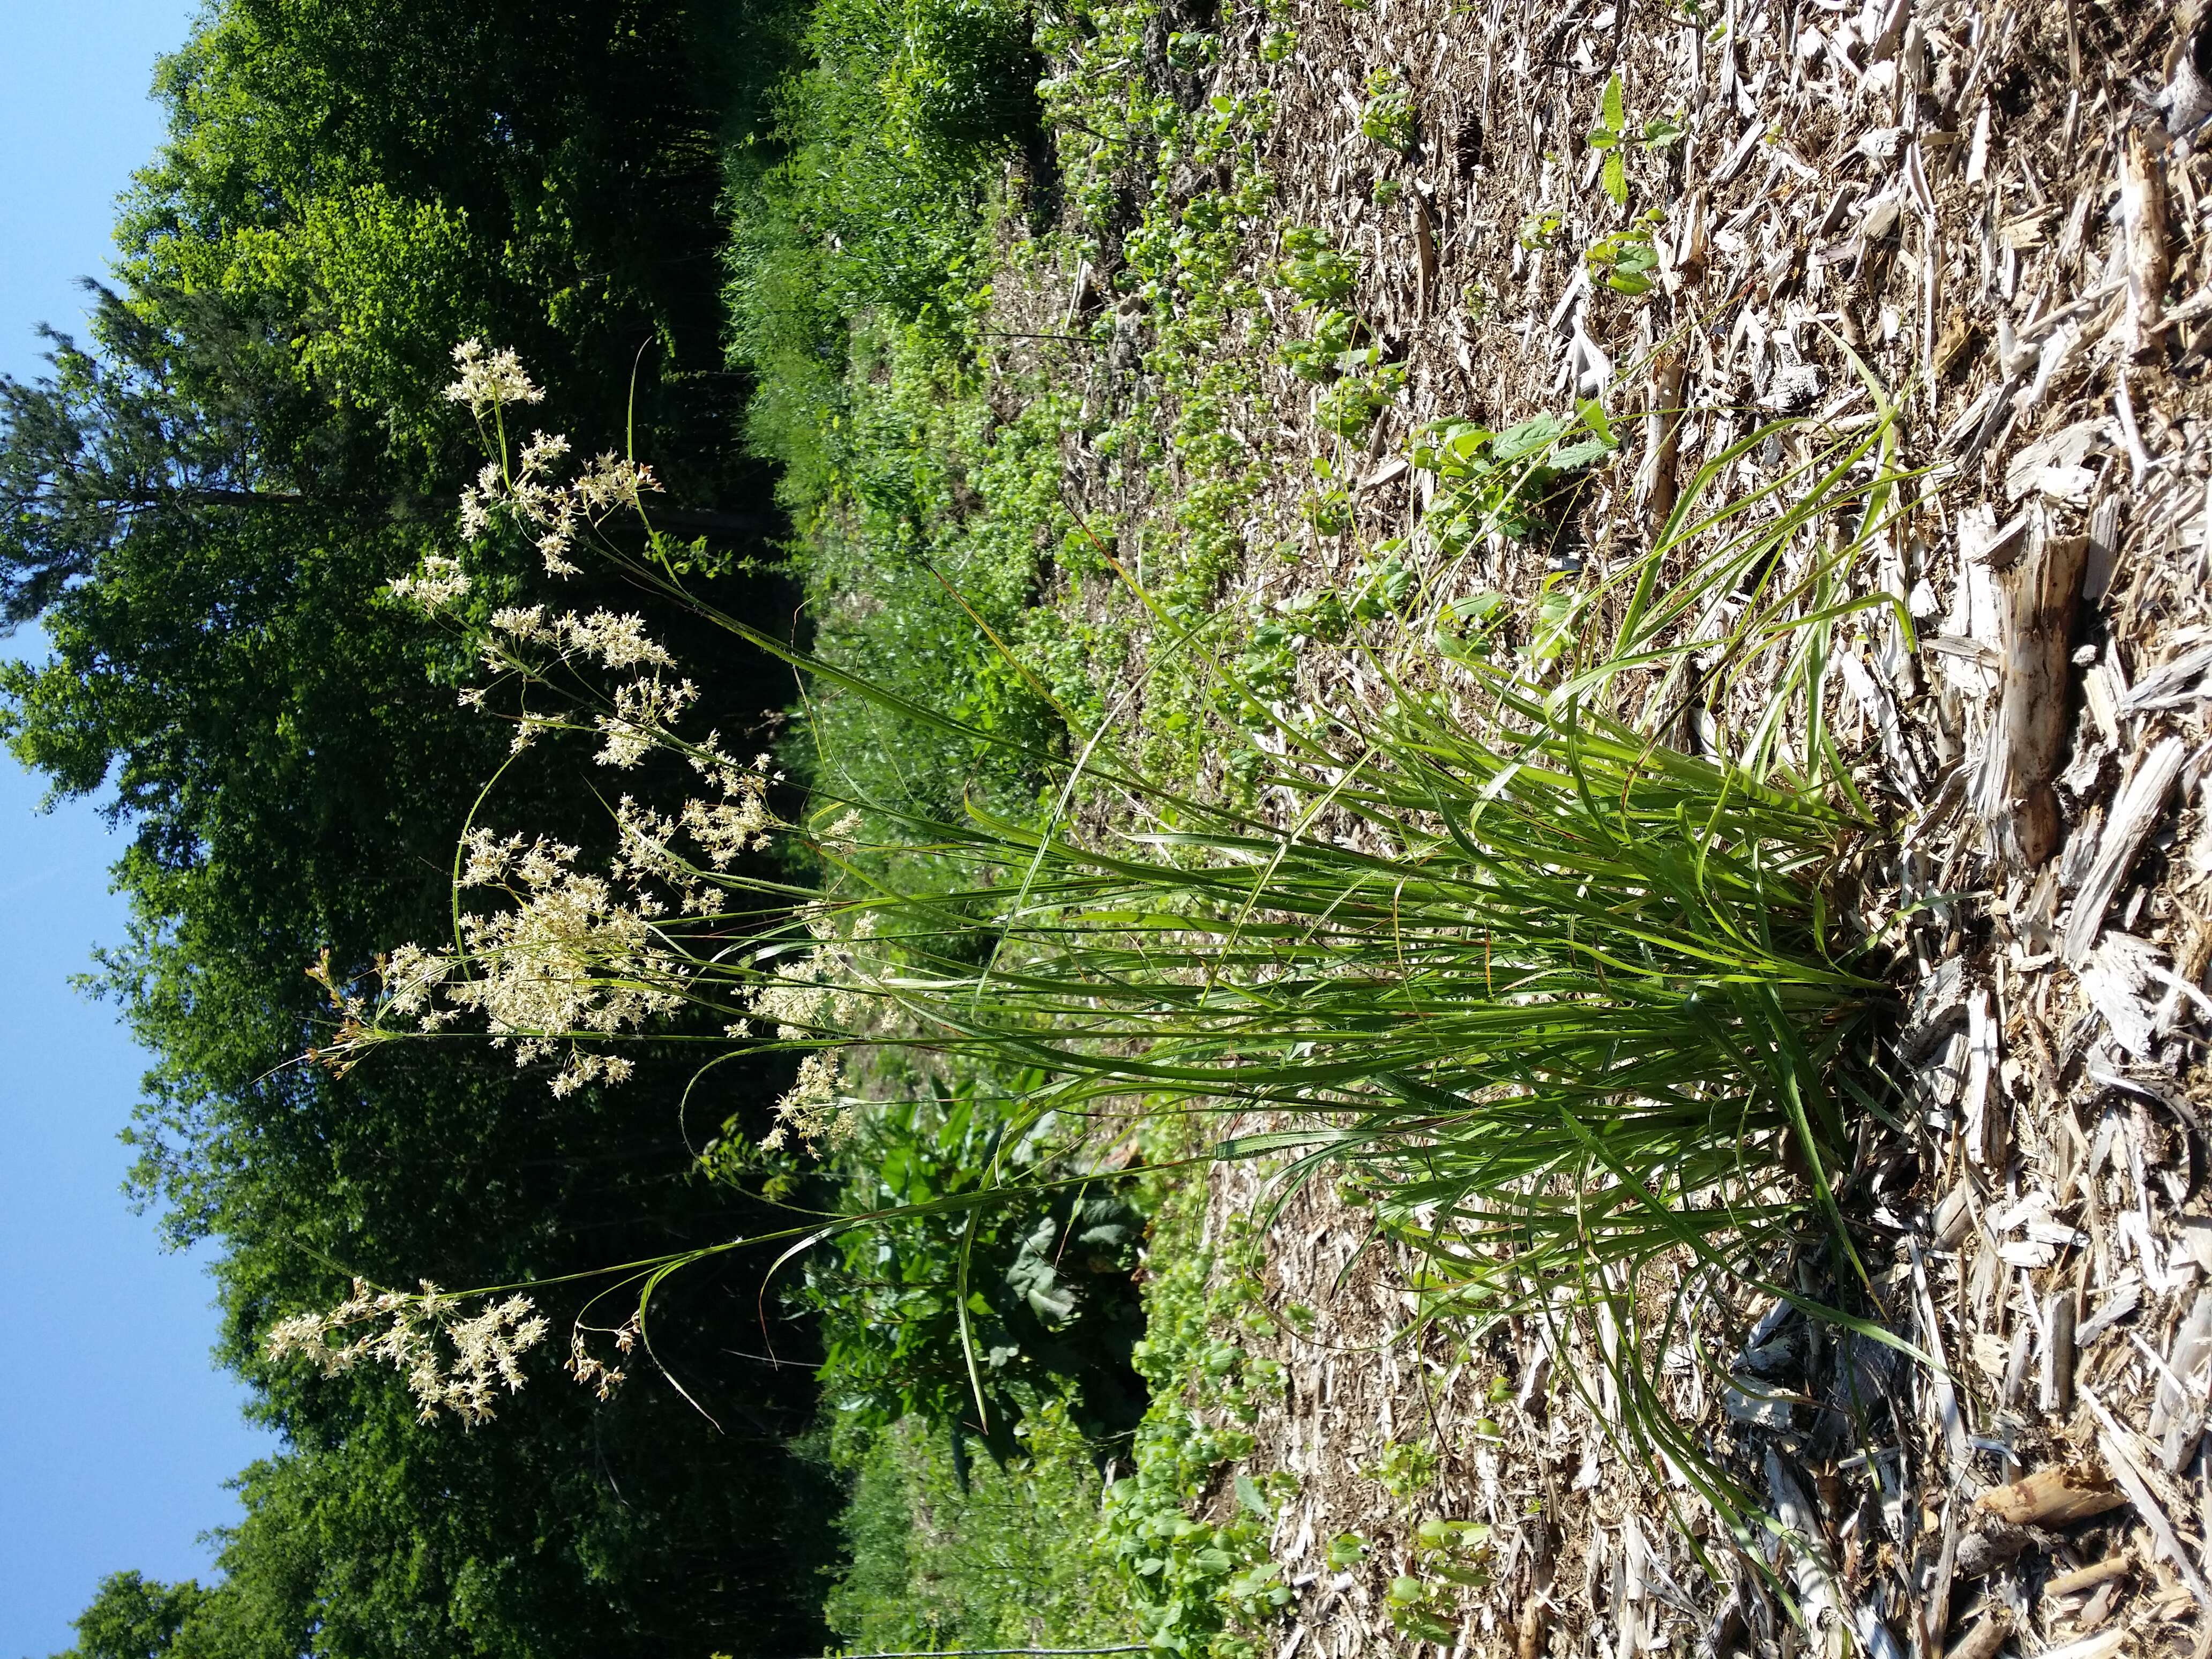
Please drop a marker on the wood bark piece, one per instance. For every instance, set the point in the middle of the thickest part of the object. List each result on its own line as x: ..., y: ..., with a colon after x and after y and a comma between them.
x: 2177, y: 1417
x: 1424, y: 241
x: 1662, y: 428
x: 2174, y: 685
x: 2102, y: 1645
x: 2056, y: 1495
x: 2089, y: 1577
x: 1931, y: 1336
x: 2143, y: 212
x: 1984, y: 1639
x: 2137, y: 807
x: 1529, y: 1637
x: 2057, y: 1391
x: 2011, y: 789
x: 2118, y: 981
x: 1984, y: 1117
x: 1933, y: 1623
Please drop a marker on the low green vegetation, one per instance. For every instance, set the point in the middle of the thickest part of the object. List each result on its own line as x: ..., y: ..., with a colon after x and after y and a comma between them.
x: 1050, y: 1548
x: 949, y: 1553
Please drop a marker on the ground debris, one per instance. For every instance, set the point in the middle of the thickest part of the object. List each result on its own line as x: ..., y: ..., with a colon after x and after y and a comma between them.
x: 1980, y: 207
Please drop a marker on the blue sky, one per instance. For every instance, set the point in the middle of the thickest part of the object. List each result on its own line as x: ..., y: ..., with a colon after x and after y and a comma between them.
x: 116, y: 1432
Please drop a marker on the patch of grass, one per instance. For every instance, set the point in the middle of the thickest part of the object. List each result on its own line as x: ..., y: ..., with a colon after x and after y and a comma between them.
x: 944, y: 1553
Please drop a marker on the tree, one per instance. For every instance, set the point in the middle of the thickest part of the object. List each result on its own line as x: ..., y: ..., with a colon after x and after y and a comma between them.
x: 204, y: 503
x: 133, y: 1617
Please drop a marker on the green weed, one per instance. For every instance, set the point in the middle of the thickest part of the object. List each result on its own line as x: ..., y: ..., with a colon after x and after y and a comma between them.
x: 1612, y: 135
x: 943, y: 1553
x: 1389, y: 117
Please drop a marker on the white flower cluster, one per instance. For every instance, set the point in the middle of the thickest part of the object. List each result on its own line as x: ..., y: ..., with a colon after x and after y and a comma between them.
x: 815, y: 1110
x: 616, y: 640
x: 594, y: 1373
x: 553, y: 510
x: 451, y: 1363
x: 576, y: 959
x: 569, y: 959
x: 819, y: 994
x: 644, y: 708
x: 810, y: 995
x: 436, y: 583
x: 722, y: 830
x: 533, y: 492
x: 490, y: 379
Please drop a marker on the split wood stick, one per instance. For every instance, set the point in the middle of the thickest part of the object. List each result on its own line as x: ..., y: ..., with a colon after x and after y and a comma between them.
x: 2112, y: 1442
x: 1530, y: 1635
x: 2102, y: 1645
x: 1663, y: 437
x: 2143, y: 212
x: 2174, y: 1413
x: 1984, y: 1639
x: 2011, y: 788
x: 2057, y: 1391
x: 1945, y: 1397
x: 2053, y: 1496
x: 2089, y: 1577
x: 2137, y: 806
x: 1425, y: 238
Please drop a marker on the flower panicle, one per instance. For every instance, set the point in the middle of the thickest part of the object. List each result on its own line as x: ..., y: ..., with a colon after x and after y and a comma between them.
x: 602, y: 1377
x: 452, y: 1362
x: 487, y: 380
x: 816, y: 1111
x: 435, y: 585
x: 552, y: 509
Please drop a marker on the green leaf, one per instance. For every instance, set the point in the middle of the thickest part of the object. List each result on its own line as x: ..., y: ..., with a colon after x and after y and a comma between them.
x: 1616, y: 114
x: 1555, y: 614
x: 1615, y: 179
x: 1525, y: 439
x: 1581, y: 454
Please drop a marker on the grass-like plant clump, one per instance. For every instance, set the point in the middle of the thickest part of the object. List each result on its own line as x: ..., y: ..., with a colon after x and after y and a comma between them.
x: 1522, y: 928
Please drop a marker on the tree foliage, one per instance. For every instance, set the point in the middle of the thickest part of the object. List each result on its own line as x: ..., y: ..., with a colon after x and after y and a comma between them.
x: 204, y: 500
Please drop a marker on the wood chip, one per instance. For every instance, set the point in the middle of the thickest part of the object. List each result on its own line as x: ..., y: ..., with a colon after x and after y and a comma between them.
x: 2135, y: 811
x: 2010, y: 789
x: 2143, y: 214
x: 1984, y: 1639
x: 2117, y: 979
x: 2102, y: 1645
x: 2056, y: 1495
x: 2057, y: 1392
x: 2089, y: 1577
x: 2111, y: 1441
x: 2177, y: 1415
